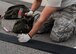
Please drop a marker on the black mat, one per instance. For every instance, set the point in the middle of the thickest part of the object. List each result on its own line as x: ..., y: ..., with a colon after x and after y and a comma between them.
x: 48, y: 47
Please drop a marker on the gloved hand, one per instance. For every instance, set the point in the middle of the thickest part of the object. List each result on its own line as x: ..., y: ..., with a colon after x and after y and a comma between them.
x: 30, y: 13
x: 23, y: 37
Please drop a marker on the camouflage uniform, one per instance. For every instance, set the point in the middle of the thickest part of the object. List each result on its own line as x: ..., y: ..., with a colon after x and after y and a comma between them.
x: 65, y: 23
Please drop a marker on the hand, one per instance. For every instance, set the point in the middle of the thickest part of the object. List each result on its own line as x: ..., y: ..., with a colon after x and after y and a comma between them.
x: 23, y: 38
x: 30, y: 13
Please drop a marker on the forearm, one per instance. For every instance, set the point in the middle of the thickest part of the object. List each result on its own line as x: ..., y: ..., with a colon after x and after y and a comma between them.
x: 44, y: 16
x: 36, y: 5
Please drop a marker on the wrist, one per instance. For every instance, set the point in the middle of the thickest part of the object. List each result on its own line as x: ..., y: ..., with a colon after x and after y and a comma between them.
x: 29, y: 35
x: 32, y: 10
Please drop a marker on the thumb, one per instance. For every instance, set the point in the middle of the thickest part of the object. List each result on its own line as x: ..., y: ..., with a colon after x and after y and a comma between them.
x: 26, y: 14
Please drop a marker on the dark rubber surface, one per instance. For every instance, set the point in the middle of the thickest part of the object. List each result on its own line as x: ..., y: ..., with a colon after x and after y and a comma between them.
x: 48, y: 47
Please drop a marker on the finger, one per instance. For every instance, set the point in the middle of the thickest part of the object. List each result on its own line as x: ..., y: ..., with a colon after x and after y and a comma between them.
x: 20, y: 40
x: 19, y: 35
x: 25, y: 13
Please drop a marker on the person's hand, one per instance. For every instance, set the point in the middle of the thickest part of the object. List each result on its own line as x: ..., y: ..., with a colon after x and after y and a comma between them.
x: 23, y: 37
x: 30, y: 13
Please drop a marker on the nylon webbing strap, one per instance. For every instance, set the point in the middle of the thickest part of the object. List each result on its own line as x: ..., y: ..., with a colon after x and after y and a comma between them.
x: 48, y: 47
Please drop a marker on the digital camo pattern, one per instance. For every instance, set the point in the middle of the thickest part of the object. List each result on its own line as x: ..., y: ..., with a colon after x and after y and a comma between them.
x: 64, y: 25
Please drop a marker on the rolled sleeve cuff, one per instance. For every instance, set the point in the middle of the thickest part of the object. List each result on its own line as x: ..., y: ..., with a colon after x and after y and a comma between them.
x: 54, y: 3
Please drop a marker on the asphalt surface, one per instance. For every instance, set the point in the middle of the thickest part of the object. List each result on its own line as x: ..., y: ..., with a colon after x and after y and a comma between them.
x: 9, y: 48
